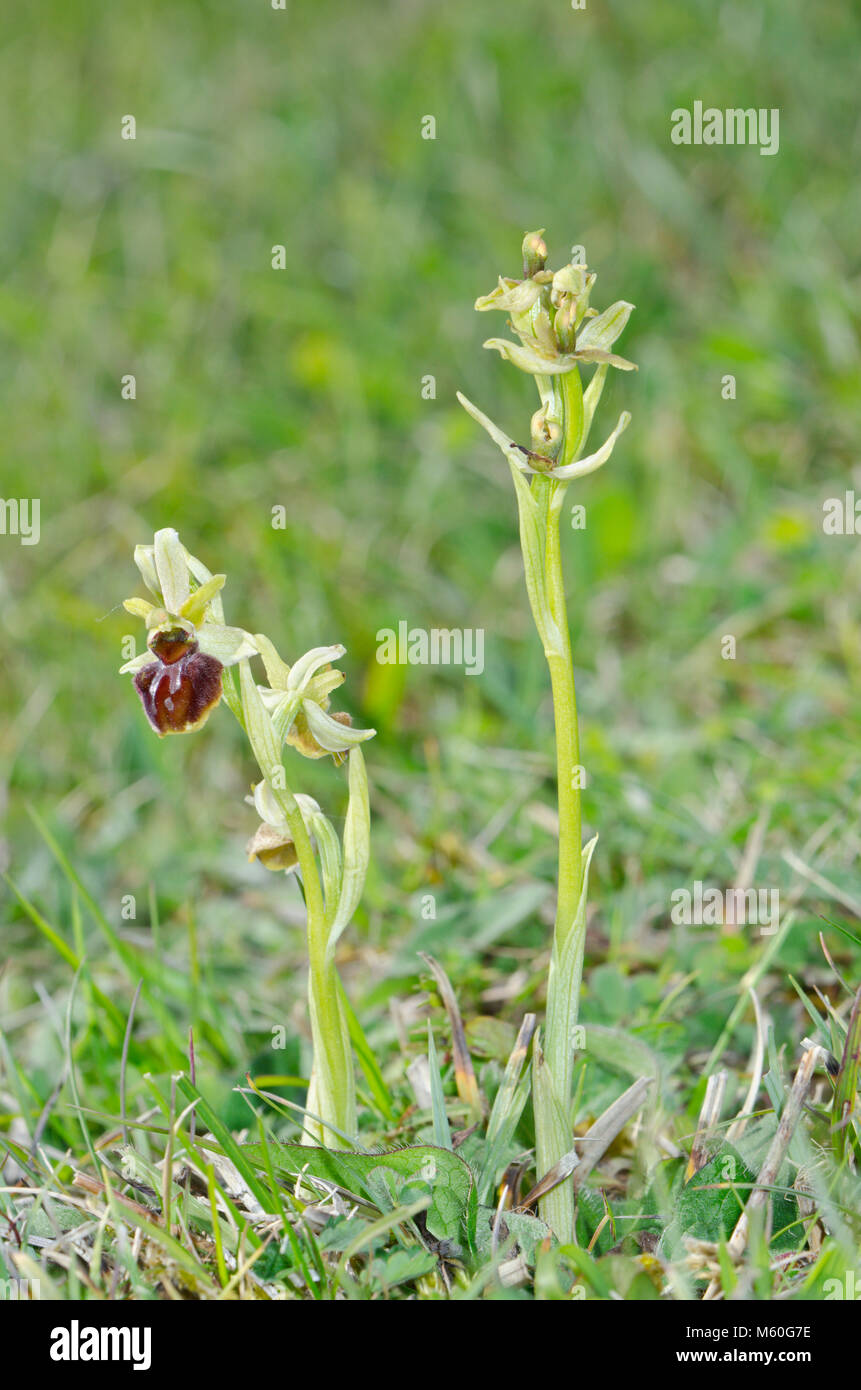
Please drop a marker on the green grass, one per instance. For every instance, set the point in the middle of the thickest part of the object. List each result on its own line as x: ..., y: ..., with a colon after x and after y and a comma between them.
x: 302, y: 389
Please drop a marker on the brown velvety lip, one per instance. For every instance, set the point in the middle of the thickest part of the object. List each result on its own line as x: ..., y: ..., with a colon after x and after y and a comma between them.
x: 179, y: 695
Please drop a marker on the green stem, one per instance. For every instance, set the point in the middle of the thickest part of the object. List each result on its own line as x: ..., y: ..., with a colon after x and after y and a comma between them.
x: 333, y: 1093
x: 553, y: 1131
x: 565, y: 718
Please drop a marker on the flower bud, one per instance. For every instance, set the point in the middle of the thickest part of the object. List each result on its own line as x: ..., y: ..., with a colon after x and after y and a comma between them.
x: 534, y: 253
x: 546, y: 436
x: 570, y: 280
x: 274, y: 848
x: 565, y: 324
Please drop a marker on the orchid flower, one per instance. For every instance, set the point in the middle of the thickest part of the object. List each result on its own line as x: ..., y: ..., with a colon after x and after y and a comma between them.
x: 178, y: 678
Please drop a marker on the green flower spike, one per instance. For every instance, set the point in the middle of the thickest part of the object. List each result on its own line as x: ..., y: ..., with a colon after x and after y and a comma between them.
x: 559, y: 333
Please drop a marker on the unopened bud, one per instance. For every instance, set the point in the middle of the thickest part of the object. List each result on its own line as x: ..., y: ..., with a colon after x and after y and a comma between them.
x: 546, y: 436
x: 565, y: 325
x: 274, y: 848
x: 570, y: 280
x: 534, y: 253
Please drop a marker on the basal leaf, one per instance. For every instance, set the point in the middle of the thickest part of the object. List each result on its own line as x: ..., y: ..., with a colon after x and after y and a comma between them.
x: 388, y: 1178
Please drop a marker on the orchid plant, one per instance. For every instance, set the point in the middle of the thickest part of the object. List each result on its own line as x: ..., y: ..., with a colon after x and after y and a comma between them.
x: 180, y: 679
x: 559, y: 334
x: 191, y: 651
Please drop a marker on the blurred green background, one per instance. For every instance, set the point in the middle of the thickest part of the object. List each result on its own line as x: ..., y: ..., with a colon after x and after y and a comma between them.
x: 258, y: 388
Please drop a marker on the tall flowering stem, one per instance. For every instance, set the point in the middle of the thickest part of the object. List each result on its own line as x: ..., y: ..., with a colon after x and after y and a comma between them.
x: 559, y: 334
x: 332, y: 1093
x: 180, y: 680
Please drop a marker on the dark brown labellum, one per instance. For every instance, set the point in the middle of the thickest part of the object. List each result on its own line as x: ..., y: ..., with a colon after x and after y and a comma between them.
x: 181, y: 688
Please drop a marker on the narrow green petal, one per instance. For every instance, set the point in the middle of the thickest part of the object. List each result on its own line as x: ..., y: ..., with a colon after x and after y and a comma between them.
x: 137, y: 663
x: 277, y: 670
x: 602, y: 332
x: 203, y: 576
x: 514, y: 455
x: 145, y: 561
x: 593, y: 461
x: 516, y: 296
x: 594, y: 354
x: 139, y: 607
x: 329, y: 733
x: 195, y: 607
x: 528, y: 360
x: 311, y: 662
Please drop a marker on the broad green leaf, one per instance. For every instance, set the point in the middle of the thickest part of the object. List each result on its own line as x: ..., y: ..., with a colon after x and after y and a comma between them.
x: 388, y: 1179
x: 622, y: 1051
x: 402, y: 1266
x: 710, y: 1204
x: 528, y: 1231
